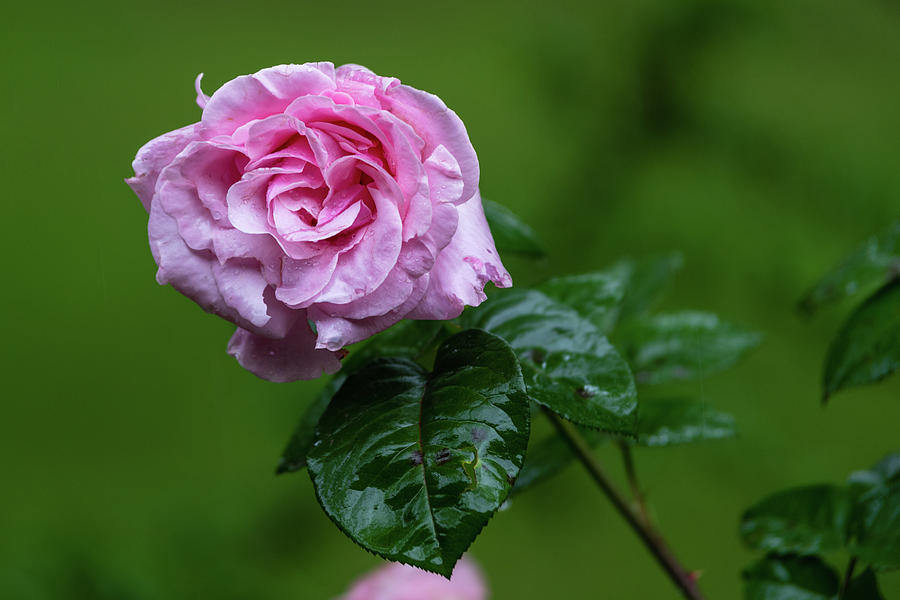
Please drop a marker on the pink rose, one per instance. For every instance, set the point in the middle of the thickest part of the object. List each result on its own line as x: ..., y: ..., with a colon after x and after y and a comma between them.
x: 313, y: 195
x: 402, y: 582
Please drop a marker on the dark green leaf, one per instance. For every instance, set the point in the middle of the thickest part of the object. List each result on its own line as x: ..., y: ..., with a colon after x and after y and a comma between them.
x: 872, y: 264
x: 406, y: 338
x: 867, y: 349
x: 805, y: 520
x: 510, y: 233
x: 548, y: 456
x: 683, y: 345
x: 864, y: 587
x: 875, y: 525
x: 294, y: 456
x: 568, y: 365
x: 411, y: 465
x: 672, y: 421
x: 595, y: 296
x: 790, y: 578
x: 650, y: 278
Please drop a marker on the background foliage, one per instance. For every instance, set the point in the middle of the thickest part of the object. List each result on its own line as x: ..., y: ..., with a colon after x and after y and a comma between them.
x: 759, y: 138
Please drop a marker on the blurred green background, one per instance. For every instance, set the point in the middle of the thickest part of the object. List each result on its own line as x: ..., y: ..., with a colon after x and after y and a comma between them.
x: 758, y: 137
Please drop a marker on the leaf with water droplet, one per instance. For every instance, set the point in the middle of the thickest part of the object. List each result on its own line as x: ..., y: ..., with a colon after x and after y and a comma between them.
x: 872, y: 264
x: 875, y: 524
x: 410, y: 464
x: 568, y: 365
x: 684, y: 345
x: 790, y: 578
x: 673, y: 421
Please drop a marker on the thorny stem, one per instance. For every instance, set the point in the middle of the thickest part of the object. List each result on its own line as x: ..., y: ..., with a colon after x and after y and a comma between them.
x: 845, y: 584
x: 644, y: 530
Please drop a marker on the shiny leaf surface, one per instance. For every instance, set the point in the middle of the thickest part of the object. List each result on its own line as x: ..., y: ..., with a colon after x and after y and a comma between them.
x: 804, y: 520
x: 867, y: 349
x: 411, y: 464
x: 649, y: 279
x: 406, y: 338
x: 790, y: 578
x: 510, y: 233
x: 568, y: 365
x: 875, y: 525
x: 682, y: 345
x: 673, y: 421
x: 595, y: 296
x: 871, y: 265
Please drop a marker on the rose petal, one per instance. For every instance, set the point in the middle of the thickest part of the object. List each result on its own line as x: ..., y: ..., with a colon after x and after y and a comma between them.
x: 463, y: 268
x: 396, y: 581
x: 289, y: 359
x: 154, y: 156
x: 260, y: 95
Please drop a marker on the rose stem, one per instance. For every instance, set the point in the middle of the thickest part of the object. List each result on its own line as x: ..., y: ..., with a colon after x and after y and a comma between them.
x: 845, y: 584
x: 651, y: 538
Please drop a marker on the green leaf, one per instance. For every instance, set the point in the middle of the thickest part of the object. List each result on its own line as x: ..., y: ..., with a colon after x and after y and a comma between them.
x: 672, y: 421
x: 683, y: 345
x: 294, y: 456
x: 790, y: 578
x: 804, y: 520
x: 864, y: 587
x: 649, y: 279
x: 411, y: 464
x: 867, y: 349
x: 510, y: 233
x: 548, y: 456
x: 874, y: 262
x: 406, y: 338
x: 875, y: 524
x: 568, y: 366
x: 595, y: 296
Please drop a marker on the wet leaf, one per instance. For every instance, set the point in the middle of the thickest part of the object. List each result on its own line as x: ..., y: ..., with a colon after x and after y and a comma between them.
x: 682, y: 345
x: 510, y: 233
x: 411, y: 464
x: 875, y: 525
x: 595, y: 296
x: 406, y: 338
x: 790, y: 578
x: 871, y: 265
x: 650, y: 278
x: 672, y: 421
x: 867, y: 349
x: 803, y: 520
x: 568, y: 365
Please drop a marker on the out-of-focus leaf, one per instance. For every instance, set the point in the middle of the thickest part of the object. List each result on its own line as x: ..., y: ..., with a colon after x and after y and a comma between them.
x: 411, y: 464
x: 672, y: 421
x: 649, y: 279
x: 548, y: 456
x: 804, y: 520
x: 875, y: 525
x: 407, y: 339
x: 510, y: 233
x: 867, y: 349
x: 568, y: 365
x: 874, y: 262
x: 682, y: 345
x: 864, y: 587
x: 595, y: 296
x: 790, y: 578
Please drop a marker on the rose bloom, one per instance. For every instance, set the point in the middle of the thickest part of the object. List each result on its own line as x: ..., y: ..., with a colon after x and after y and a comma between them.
x: 314, y: 207
x: 402, y: 582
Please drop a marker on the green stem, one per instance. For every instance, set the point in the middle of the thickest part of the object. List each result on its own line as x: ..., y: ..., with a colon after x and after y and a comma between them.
x: 631, y: 473
x: 845, y: 584
x: 651, y: 538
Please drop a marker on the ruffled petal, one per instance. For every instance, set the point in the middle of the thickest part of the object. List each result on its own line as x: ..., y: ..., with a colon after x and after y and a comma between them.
x: 260, y: 95
x: 463, y: 268
x: 154, y: 156
x: 289, y: 359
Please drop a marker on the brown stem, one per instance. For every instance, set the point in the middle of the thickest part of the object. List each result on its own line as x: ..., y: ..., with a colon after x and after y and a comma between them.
x: 631, y: 473
x: 652, y: 539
